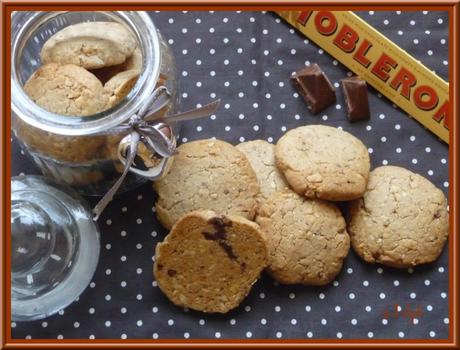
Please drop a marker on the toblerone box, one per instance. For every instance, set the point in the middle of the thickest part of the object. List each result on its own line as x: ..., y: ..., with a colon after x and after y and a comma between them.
x: 383, y: 64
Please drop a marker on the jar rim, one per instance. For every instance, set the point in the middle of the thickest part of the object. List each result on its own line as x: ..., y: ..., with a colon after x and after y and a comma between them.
x: 140, y: 23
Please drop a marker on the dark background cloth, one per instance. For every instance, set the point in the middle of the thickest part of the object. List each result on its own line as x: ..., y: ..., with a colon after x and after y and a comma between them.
x: 246, y: 59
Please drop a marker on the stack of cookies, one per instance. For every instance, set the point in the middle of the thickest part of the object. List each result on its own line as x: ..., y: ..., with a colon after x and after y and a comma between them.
x: 215, y: 192
x: 87, y: 68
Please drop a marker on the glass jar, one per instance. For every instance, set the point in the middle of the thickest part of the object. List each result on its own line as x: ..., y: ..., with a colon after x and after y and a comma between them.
x: 82, y: 151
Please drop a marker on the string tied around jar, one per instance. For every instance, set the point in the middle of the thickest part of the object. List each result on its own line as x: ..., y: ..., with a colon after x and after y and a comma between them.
x: 155, y: 133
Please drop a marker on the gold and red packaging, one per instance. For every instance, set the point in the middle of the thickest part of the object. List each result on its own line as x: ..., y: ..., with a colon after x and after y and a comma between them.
x: 379, y: 61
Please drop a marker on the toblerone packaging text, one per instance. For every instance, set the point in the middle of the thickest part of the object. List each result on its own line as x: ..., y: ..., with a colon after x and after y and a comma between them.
x: 384, y: 65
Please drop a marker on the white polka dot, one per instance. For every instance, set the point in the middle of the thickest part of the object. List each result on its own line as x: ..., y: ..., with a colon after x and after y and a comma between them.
x: 279, y: 334
x: 293, y: 321
x: 443, y: 295
x: 277, y: 308
x: 308, y: 308
x: 429, y: 308
x: 365, y: 283
x: 232, y: 321
x: 401, y: 334
x: 309, y: 334
x: 170, y: 322
x: 76, y: 324
x: 440, y: 21
x: 108, y: 323
x: 446, y: 321
x: 370, y: 334
x: 155, y: 335
x: 138, y: 270
x: 217, y: 334
x: 323, y: 321
x: 248, y: 334
x: 351, y: 296
x: 263, y: 321
x: 368, y: 308
x: 349, y: 270
x: 413, y: 295
x: 108, y: 297
x: 321, y: 295
x: 337, y: 308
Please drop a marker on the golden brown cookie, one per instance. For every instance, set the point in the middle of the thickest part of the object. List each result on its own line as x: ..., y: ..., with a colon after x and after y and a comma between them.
x: 323, y: 162
x: 401, y: 221
x: 66, y: 90
x: 209, y: 262
x: 90, y: 45
x: 207, y: 174
x: 120, y: 85
x: 307, y: 240
x: 261, y: 155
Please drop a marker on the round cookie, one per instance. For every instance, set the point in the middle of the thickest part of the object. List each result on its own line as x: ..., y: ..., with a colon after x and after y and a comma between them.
x: 207, y: 174
x: 307, y: 240
x: 120, y: 85
x: 66, y: 90
x: 209, y: 262
x: 261, y: 155
x: 401, y: 221
x: 323, y: 162
x: 90, y: 45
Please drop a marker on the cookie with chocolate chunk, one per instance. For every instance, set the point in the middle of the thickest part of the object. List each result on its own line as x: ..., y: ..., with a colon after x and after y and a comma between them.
x: 401, y: 221
x: 209, y: 262
x: 207, y: 174
x: 307, y: 239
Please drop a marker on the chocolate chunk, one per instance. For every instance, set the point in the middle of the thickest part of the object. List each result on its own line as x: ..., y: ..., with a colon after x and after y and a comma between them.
x: 228, y: 249
x: 314, y: 86
x: 220, y: 222
x: 172, y: 273
x: 355, y: 93
x: 215, y: 236
x: 220, y: 235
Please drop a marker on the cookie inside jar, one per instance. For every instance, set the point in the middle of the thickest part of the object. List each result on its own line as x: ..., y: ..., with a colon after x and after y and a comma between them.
x: 86, y: 71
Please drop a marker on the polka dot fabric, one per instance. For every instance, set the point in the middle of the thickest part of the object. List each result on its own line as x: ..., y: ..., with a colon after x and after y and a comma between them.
x: 246, y: 59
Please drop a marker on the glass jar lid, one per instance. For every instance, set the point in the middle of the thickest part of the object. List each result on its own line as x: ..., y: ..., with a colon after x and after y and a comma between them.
x: 54, y: 247
x: 30, y: 30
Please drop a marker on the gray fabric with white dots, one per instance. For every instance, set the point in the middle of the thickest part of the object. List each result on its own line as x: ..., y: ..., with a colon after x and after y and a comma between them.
x: 246, y: 59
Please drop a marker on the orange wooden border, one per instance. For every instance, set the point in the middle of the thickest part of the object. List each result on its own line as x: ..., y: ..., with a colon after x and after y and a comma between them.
x: 453, y: 8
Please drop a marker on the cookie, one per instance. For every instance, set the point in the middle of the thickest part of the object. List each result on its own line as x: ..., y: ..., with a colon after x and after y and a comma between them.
x: 307, y: 238
x: 90, y: 45
x: 261, y: 155
x: 207, y: 174
x: 209, y: 262
x: 323, y: 162
x: 401, y: 221
x: 120, y: 85
x: 66, y: 90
